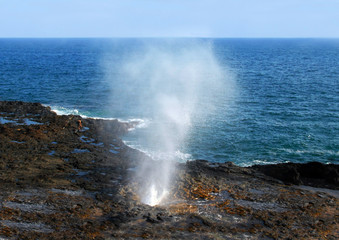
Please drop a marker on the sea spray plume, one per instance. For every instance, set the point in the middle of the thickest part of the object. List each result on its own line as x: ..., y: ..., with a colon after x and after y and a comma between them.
x: 173, y: 83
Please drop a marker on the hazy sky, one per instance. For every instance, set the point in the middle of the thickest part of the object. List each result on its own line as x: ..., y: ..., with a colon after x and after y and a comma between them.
x: 169, y: 18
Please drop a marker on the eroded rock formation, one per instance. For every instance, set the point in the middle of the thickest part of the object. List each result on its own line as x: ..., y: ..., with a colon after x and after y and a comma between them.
x: 64, y: 177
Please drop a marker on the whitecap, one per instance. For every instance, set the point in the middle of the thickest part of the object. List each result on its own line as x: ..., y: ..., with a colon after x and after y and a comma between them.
x: 141, y: 123
x: 64, y: 111
x: 159, y: 155
x: 313, y: 151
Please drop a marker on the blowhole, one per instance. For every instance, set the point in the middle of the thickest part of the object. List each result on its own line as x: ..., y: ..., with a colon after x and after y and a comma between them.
x: 155, y: 196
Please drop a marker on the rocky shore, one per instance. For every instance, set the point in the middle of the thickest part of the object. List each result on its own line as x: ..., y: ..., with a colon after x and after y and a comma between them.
x: 66, y: 177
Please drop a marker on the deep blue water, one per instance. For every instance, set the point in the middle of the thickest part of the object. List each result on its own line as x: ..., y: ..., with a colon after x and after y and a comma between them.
x: 278, y: 100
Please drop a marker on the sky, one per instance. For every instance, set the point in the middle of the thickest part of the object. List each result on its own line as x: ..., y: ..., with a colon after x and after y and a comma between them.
x: 170, y: 18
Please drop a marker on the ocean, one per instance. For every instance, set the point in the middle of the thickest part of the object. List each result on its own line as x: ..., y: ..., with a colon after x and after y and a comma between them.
x: 249, y: 101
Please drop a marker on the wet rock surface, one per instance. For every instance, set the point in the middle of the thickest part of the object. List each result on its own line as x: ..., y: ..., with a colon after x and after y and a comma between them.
x: 65, y: 177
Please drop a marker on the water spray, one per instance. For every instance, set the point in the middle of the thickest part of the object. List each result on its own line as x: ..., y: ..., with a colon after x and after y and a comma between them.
x: 172, y: 83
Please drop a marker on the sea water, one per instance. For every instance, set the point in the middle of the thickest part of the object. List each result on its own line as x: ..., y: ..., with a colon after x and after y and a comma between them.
x: 280, y: 104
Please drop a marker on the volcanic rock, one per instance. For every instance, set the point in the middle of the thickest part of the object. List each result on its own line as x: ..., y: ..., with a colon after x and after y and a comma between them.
x: 68, y: 177
x: 314, y: 174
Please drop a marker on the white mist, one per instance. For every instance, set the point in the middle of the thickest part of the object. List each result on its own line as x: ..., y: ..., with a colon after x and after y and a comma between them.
x: 174, y: 83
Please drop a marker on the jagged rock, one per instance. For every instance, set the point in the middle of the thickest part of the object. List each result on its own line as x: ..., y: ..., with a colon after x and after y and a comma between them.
x: 60, y: 180
x: 314, y: 174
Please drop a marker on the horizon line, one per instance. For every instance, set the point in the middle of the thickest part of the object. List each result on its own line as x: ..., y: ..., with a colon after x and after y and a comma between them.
x: 178, y: 37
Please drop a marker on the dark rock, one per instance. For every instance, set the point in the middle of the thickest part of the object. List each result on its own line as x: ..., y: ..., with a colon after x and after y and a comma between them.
x: 287, y: 173
x: 50, y: 191
x: 314, y: 174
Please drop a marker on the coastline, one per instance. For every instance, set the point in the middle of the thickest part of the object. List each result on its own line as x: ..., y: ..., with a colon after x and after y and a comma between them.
x: 75, y: 174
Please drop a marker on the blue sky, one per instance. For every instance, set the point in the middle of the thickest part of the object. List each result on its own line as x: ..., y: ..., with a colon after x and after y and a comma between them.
x: 169, y: 18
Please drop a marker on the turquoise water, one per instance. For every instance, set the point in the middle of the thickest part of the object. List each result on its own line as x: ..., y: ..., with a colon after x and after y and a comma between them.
x: 250, y: 101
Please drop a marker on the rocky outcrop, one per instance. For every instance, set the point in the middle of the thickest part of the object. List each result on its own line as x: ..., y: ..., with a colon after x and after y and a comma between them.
x: 312, y: 173
x: 66, y: 177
